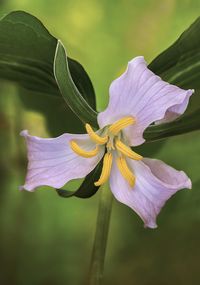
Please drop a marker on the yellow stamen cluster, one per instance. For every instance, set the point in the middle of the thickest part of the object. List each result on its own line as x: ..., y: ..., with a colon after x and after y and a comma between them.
x: 111, y: 139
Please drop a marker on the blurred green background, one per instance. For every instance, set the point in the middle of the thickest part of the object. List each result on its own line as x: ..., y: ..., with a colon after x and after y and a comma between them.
x: 45, y: 239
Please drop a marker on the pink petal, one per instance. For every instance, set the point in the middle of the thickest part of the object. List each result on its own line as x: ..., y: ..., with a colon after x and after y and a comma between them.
x: 141, y: 94
x: 156, y: 182
x: 175, y: 111
x: 52, y: 162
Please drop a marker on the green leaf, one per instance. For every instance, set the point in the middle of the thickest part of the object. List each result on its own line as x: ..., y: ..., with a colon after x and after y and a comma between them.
x: 87, y: 188
x: 69, y: 90
x: 184, y: 124
x: 27, y: 53
x: 82, y: 81
x: 149, y: 149
x: 180, y: 65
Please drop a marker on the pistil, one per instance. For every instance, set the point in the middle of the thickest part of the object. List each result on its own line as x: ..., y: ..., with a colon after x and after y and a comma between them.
x: 110, y: 144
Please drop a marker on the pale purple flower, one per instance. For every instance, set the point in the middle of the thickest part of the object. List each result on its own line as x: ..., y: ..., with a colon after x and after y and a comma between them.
x: 138, y: 98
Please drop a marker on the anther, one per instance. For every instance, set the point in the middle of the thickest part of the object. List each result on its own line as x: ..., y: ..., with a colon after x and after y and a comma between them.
x: 76, y: 148
x: 96, y: 138
x: 127, y: 151
x: 107, y: 164
x: 125, y: 171
x: 121, y: 124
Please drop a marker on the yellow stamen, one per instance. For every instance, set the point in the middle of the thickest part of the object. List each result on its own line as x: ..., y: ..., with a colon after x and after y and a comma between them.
x: 127, y: 151
x: 96, y: 138
x: 76, y: 148
x: 107, y: 164
x: 121, y: 124
x: 125, y: 171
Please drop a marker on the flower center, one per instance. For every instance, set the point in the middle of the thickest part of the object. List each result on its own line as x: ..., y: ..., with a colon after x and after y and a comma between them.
x: 113, y: 140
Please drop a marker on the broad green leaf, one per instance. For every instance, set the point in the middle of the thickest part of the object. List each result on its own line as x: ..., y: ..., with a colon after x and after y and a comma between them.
x: 82, y: 82
x: 180, y: 65
x: 69, y: 90
x: 27, y: 53
x: 87, y: 188
x: 149, y: 149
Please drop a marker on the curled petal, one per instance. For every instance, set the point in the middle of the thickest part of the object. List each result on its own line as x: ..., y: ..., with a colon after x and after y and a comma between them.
x: 145, y: 96
x: 155, y: 183
x: 52, y: 162
x: 175, y: 111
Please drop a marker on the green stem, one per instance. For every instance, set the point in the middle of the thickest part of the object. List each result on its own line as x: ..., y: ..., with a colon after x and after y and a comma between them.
x: 101, y: 236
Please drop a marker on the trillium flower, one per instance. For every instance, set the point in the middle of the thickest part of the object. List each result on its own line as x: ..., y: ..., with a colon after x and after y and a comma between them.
x: 138, y: 98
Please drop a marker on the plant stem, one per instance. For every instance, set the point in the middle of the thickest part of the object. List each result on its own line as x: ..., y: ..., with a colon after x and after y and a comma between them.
x: 101, y: 236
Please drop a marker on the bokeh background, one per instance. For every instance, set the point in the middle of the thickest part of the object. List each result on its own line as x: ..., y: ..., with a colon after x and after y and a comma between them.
x: 45, y: 239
